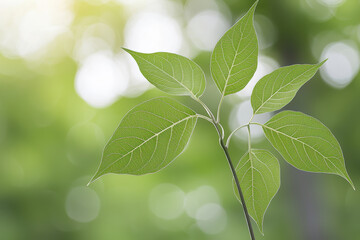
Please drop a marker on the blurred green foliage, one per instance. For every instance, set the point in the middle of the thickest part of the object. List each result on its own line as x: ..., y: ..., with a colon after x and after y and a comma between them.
x: 51, y: 139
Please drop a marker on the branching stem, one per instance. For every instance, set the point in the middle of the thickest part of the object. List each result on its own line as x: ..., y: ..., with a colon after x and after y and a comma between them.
x: 217, y: 126
x: 232, y: 133
x: 211, y: 115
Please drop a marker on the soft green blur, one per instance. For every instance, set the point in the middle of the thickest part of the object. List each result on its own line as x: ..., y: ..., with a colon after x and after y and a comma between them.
x: 65, y: 84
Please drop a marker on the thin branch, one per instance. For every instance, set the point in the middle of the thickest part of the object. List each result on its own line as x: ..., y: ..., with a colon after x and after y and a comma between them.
x: 219, y: 109
x: 232, y: 168
x: 204, y: 117
x: 249, y: 139
x: 233, y: 171
x: 232, y: 133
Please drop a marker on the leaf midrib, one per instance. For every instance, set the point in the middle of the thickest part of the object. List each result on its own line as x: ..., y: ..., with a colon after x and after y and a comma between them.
x: 147, y: 140
x: 232, y: 64
x: 295, y: 139
x: 282, y: 88
x: 192, y: 94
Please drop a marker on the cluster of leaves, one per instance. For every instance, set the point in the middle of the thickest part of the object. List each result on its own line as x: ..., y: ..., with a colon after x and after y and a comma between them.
x: 154, y: 133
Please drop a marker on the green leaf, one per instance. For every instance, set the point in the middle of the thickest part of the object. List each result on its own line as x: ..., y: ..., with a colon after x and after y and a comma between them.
x: 278, y: 88
x: 171, y: 73
x: 259, y: 176
x: 306, y: 143
x: 149, y: 137
x: 234, y: 59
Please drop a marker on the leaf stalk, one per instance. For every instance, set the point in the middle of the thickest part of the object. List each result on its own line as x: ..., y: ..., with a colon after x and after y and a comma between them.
x: 228, y: 158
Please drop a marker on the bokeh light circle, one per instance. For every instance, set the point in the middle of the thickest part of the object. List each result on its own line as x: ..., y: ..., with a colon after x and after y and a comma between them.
x: 82, y: 204
x: 201, y: 34
x: 241, y: 115
x: 166, y: 201
x: 265, y: 66
x: 342, y: 65
x: 197, y: 198
x: 101, y: 79
x: 211, y: 218
x: 153, y: 32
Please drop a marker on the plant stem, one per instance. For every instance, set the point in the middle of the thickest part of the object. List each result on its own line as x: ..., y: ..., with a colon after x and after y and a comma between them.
x: 247, y: 216
x: 219, y: 108
x: 232, y: 133
x: 208, y: 111
x: 249, y: 138
x: 232, y: 168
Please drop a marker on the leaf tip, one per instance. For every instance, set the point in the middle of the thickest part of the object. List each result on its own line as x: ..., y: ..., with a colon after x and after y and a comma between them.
x: 131, y: 52
x: 261, y: 228
x: 253, y: 7
x: 251, y: 12
x: 90, y: 182
x: 126, y: 49
x: 259, y: 224
x: 348, y: 179
x: 322, y: 63
x: 351, y: 183
x: 94, y: 178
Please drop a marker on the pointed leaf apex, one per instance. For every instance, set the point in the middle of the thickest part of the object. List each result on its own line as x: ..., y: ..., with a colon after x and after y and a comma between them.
x: 171, y: 73
x: 323, y: 62
x: 232, y: 73
x: 255, y: 4
x: 129, y: 50
x: 93, y: 179
x: 348, y: 179
x: 251, y: 11
x: 327, y: 156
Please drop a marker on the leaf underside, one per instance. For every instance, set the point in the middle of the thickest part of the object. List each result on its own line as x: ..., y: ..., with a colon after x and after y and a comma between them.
x: 259, y: 177
x: 148, y: 138
x: 278, y: 88
x: 306, y: 143
x: 171, y: 73
x: 234, y: 59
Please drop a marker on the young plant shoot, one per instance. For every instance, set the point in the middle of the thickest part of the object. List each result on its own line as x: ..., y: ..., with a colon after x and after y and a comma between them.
x: 154, y: 133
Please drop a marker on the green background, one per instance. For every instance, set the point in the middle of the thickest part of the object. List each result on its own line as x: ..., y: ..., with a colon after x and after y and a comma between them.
x: 54, y: 123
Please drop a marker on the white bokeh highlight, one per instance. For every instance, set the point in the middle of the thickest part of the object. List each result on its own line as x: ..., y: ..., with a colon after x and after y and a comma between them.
x: 266, y: 31
x: 199, y: 197
x: 82, y: 204
x: 193, y: 7
x: 201, y: 34
x: 316, y: 10
x: 101, y: 79
x: 241, y: 115
x: 166, y: 201
x: 266, y: 65
x: 28, y: 27
x: 149, y: 32
x: 94, y: 38
x: 211, y: 218
x: 331, y: 3
x: 342, y: 65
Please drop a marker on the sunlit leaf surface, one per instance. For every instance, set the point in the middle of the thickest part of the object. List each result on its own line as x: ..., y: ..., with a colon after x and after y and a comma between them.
x: 171, y: 73
x: 148, y: 138
x: 259, y: 176
x: 278, y: 88
x: 234, y: 59
x: 306, y: 143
